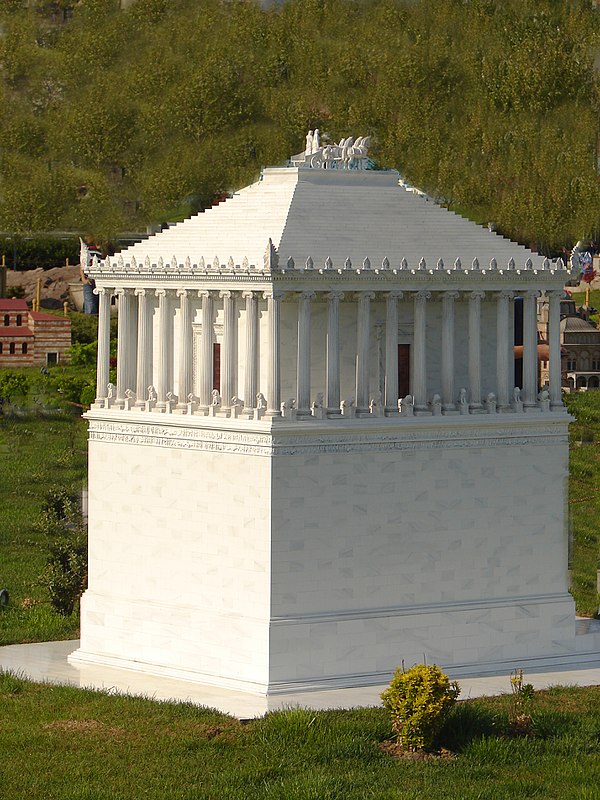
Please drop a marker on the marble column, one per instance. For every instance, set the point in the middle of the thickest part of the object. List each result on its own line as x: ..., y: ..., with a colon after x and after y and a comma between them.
x: 125, y: 343
x: 504, y: 347
x: 475, y: 299
x: 205, y: 363
x: 144, y: 346
x: 332, y: 388
x: 554, y: 363
x: 184, y: 373
x: 228, y: 360
x: 303, y: 364
x: 103, y: 361
x: 391, y: 352
x: 448, y: 387
x: 274, y: 299
x: 363, y: 347
x: 251, y: 366
x: 420, y: 352
x: 530, y: 356
x: 164, y: 372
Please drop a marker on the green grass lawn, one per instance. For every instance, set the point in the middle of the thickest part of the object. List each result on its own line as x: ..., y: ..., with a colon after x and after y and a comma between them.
x: 59, y: 742
x: 584, y: 499
x: 38, y: 451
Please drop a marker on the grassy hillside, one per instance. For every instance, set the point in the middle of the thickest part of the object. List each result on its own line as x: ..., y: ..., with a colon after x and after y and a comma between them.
x: 116, y: 118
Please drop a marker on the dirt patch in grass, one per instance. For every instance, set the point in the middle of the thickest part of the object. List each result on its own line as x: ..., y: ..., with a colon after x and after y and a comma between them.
x: 84, y: 727
x: 395, y: 750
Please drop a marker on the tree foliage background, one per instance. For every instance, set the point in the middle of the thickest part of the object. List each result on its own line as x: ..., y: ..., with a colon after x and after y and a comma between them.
x: 114, y: 118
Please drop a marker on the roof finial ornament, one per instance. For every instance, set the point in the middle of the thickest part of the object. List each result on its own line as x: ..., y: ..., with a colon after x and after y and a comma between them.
x: 367, y: 263
x: 310, y: 263
x: 404, y: 263
x: 328, y: 263
x: 290, y: 263
x: 422, y: 264
x: 475, y: 264
x: 271, y: 259
x: 347, y: 264
x: 440, y: 263
x: 385, y: 264
x: 458, y: 264
x: 493, y: 264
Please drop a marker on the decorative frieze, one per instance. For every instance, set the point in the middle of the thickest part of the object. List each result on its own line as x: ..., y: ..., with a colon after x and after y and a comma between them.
x: 273, y: 443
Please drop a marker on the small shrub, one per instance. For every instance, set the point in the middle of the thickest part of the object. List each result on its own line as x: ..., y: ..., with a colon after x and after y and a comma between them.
x: 13, y: 384
x: 419, y: 700
x: 522, y: 694
x: 65, y: 574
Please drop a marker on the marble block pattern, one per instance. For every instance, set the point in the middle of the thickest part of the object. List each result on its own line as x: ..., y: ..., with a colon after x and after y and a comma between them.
x: 285, y: 557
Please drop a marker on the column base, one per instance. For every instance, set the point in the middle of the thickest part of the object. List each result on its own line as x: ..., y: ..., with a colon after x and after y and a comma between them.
x: 476, y: 408
x: 391, y: 411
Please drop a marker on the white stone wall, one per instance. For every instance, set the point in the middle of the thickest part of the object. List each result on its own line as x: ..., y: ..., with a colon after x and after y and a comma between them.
x: 324, y: 554
x: 454, y: 553
x: 179, y: 559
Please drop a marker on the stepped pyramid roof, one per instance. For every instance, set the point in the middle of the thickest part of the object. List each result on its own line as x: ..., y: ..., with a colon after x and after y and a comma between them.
x: 327, y: 214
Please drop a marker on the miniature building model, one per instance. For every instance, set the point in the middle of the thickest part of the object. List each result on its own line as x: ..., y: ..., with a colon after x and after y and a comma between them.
x: 31, y: 338
x: 580, y: 346
x: 315, y: 463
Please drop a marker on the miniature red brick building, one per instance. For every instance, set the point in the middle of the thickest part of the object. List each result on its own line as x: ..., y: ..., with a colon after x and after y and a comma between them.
x: 31, y: 338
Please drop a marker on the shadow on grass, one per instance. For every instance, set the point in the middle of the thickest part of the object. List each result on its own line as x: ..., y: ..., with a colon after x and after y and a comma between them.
x: 470, y: 721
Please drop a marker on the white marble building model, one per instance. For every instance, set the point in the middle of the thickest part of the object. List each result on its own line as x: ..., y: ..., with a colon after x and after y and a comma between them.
x: 314, y: 463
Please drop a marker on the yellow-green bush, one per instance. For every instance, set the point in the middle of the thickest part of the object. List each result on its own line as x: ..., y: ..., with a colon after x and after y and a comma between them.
x: 419, y: 700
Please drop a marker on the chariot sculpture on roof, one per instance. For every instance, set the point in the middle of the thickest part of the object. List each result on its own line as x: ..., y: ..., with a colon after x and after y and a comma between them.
x: 349, y: 153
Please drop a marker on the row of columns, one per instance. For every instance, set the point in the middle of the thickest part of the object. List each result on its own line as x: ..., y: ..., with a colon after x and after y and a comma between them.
x: 134, y: 367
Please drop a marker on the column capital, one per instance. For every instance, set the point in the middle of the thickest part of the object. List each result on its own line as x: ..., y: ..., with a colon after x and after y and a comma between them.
x: 394, y: 295
x: 450, y: 296
x: 505, y: 294
x: 122, y: 291
x: 308, y: 295
x: 555, y: 294
x: 477, y: 294
x: 165, y: 293
x: 366, y: 295
x: 422, y: 296
x: 205, y: 294
x: 335, y: 295
x: 184, y: 292
x: 226, y: 294
x: 248, y: 294
x: 142, y: 292
x: 533, y: 293
x: 103, y: 291
x: 274, y: 294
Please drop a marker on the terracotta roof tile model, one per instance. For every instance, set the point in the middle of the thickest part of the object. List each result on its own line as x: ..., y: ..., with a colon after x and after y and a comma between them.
x: 31, y: 338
